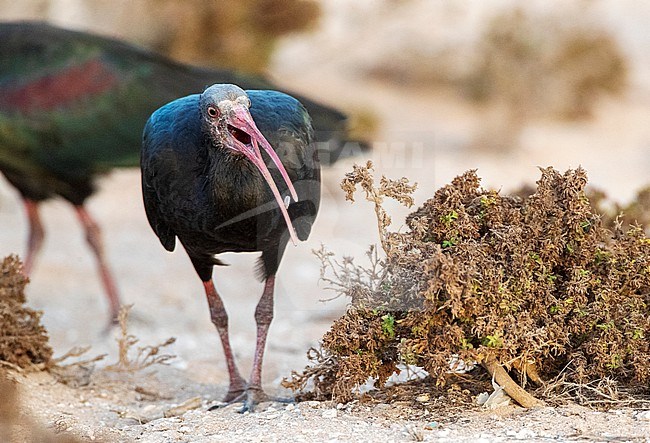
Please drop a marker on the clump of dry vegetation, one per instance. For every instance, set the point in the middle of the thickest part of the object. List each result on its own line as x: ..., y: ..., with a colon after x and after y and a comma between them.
x: 534, y: 64
x: 524, y: 65
x: 535, y: 288
x: 23, y: 340
x: 546, y: 66
x: 239, y: 34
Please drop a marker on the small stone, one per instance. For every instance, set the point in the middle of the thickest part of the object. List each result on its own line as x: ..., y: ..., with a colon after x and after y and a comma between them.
x: 330, y: 413
x: 431, y: 425
x: 290, y: 407
x: 340, y: 406
x: 313, y: 404
x: 423, y: 397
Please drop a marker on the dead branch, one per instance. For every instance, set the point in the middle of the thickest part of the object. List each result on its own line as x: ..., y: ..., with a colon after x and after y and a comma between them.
x: 516, y: 392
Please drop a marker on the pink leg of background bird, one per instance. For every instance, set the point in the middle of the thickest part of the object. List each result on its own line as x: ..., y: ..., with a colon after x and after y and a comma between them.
x: 94, y: 238
x: 36, y: 234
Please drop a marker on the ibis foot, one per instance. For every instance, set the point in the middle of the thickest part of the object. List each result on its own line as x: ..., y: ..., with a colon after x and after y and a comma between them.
x: 250, y: 398
x: 236, y: 393
x: 255, y: 396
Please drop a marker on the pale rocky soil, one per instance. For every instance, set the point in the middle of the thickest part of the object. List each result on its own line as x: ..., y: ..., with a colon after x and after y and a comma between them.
x: 111, y: 410
x: 424, y: 135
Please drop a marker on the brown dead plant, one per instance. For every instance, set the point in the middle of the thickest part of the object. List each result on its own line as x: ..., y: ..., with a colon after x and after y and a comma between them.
x: 24, y: 341
x: 144, y: 356
x: 528, y: 287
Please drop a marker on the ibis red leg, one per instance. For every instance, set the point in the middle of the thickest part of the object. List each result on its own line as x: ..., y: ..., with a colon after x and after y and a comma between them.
x: 36, y: 234
x: 94, y: 239
x: 263, y: 317
x: 219, y: 318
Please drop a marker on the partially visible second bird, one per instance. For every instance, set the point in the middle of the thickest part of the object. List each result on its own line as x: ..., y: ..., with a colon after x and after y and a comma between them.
x: 230, y: 170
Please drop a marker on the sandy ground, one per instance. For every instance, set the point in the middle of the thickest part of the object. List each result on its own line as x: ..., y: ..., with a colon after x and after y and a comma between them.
x: 424, y: 135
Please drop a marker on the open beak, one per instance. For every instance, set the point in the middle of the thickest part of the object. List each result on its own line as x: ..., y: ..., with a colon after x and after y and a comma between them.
x: 247, y: 139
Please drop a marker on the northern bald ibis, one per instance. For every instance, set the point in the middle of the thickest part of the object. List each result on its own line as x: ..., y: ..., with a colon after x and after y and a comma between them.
x: 230, y: 170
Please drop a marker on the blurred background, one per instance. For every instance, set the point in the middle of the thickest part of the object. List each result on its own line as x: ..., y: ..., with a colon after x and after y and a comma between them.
x: 502, y: 86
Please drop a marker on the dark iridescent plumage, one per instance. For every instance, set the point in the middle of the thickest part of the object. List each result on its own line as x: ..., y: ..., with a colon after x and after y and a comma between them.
x: 73, y: 105
x: 200, y: 184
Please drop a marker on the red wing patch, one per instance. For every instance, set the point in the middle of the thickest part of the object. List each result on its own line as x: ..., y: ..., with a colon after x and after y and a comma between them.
x: 59, y: 89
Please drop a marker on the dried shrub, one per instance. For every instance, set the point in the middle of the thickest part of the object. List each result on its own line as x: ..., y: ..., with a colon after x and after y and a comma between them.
x: 533, y: 285
x: 75, y: 373
x: 543, y: 65
x: 23, y: 340
x: 535, y: 64
x: 144, y: 356
x: 239, y: 34
x: 524, y: 65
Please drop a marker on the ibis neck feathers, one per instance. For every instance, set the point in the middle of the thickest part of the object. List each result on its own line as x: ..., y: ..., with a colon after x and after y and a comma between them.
x: 231, y: 176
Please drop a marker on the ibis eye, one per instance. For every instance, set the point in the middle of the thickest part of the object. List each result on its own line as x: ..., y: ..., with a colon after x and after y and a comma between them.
x: 212, y: 112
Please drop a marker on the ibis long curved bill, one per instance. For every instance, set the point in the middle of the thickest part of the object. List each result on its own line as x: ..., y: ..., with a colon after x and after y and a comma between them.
x: 246, y: 139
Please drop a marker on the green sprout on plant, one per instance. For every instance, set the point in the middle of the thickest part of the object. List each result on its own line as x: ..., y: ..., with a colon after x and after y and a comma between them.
x: 388, y: 326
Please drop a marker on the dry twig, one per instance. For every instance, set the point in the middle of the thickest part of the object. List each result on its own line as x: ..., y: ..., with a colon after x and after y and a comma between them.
x: 144, y: 357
